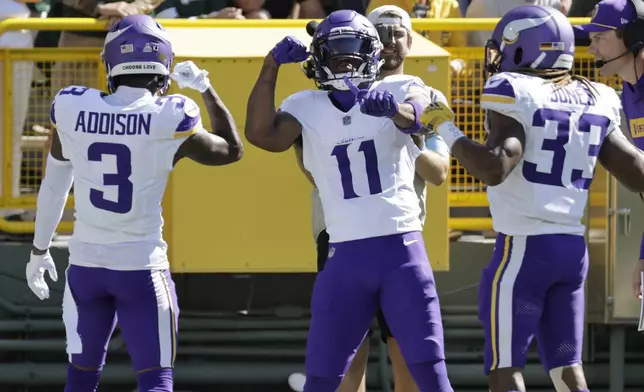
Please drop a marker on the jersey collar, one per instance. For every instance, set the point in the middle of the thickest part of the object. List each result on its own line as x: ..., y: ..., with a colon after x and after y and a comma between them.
x: 134, y: 92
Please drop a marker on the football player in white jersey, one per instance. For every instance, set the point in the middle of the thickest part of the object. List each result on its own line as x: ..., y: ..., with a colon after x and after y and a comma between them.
x: 546, y: 131
x: 356, y: 146
x: 119, y: 150
x: 394, y: 29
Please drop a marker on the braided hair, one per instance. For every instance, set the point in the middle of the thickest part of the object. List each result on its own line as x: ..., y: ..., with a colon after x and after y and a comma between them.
x: 560, y: 78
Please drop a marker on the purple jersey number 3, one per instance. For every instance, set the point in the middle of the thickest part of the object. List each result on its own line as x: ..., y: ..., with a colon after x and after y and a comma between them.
x: 558, y: 147
x: 368, y: 148
x: 120, y: 179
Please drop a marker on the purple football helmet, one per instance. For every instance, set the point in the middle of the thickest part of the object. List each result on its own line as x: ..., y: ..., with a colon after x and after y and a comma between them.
x: 345, y: 44
x: 530, y: 36
x: 138, y: 45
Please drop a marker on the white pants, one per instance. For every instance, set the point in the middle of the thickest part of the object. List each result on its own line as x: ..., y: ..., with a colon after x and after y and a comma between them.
x: 22, y: 78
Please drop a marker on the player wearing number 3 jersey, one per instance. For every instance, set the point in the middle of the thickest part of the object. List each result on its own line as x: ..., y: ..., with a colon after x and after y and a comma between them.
x: 356, y: 146
x: 546, y: 132
x: 119, y: 150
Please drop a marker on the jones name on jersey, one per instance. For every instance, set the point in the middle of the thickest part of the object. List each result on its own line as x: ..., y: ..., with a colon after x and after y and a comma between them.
x: 564, y: 130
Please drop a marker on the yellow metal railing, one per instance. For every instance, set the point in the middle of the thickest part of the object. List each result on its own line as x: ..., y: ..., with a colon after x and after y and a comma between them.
x: 465, y: 190
x: 17, y: 90
x: 97, y: 25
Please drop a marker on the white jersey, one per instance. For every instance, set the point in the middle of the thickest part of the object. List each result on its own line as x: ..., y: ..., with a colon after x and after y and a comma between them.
x: 362, y: 165
x: 547, y: 191
x: 317, y: 213
x: 122, y: 148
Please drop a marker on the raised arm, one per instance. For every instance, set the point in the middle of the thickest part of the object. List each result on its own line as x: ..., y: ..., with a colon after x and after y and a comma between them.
x: 491, y: 162
x: 266, y: 128
x: 223, y: 145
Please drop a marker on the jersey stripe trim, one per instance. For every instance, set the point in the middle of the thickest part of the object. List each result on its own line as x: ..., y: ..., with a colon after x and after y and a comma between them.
x: 178, y: 135
x: 494, y: 308
x: 499, y: 87
x: 188, y: 123
x: 52, y: 113
x: 492, y: 98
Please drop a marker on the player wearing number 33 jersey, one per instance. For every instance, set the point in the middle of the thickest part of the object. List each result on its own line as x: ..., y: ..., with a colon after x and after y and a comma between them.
x: 356, y: 146
x: 119, y: 150
x: 547, y: 131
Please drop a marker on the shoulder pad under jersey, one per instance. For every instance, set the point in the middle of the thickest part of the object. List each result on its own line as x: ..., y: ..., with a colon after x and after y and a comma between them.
x: 299, y: 103
x: 182, y: 111
x: 506, y: 94
x: 65, y: 98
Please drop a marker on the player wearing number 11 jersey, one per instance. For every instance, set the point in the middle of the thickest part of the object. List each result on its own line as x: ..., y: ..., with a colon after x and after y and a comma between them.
x: 546, y: 132
x: 119, y: 150
x: 357, y: 148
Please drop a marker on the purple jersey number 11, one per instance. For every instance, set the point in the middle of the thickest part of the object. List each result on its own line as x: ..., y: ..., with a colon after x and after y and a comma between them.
x: 368, y: 148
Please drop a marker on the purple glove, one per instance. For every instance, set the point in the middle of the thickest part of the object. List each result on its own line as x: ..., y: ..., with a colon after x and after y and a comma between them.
x: 374, y: 103
x: 289, y: 50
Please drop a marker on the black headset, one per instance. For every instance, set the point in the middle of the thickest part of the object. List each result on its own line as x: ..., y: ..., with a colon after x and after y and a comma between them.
x: 634, y: 31
x: 307, y: 65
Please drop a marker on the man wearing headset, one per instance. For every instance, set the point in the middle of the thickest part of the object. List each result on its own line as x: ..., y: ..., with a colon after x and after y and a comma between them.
x: 617, y: 41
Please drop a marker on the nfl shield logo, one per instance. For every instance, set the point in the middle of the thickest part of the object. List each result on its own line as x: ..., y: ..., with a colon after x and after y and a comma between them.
x: 346, y: 120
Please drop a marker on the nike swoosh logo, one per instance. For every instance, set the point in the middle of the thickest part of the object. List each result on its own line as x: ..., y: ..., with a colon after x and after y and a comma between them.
x: 112, y: 35
x: 407, y: 243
